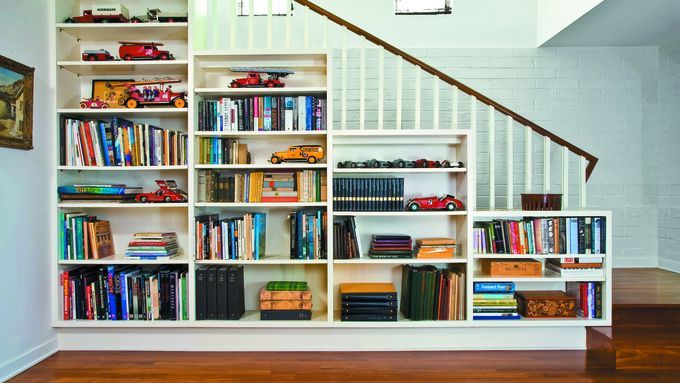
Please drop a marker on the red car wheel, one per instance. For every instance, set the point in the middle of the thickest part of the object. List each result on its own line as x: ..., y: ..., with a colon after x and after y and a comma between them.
x: 91, y: 58
x: 167, y: 199
x: 105, y: 106
x: 270, y: 84
x: 143, y: 198
x: 451, y: 206
x: 127, y: 57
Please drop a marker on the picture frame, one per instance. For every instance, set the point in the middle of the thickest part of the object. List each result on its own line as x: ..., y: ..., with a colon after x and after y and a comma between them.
x: 105, y: 90
x: 16, y: 104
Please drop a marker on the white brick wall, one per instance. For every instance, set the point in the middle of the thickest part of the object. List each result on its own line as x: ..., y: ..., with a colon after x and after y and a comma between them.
x: 604, y: 100
x: 669, y: 156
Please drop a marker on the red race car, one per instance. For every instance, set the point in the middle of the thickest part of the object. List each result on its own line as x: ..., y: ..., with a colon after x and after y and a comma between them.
x: 447, y: 202
x: 93, y: 103
x: 423, y: 163
x: 168, y: 192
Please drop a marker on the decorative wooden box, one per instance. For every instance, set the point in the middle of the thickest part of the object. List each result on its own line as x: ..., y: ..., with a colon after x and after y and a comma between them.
x: 512, y: 268
x: 546, y: 304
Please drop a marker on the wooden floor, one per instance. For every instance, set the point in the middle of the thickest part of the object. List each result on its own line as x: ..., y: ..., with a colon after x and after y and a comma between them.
x: 631, y: 286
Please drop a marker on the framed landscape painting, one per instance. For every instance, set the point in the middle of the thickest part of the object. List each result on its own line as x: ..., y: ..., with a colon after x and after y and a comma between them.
x: 16, y: 104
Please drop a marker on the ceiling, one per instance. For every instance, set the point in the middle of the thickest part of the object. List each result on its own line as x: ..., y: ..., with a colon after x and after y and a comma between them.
x: 623, y: 23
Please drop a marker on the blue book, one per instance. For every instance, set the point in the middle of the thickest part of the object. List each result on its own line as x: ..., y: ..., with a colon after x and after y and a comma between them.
x: 596, y: 232
x: 573, y: 232
x: 118, y: 152
x: 267, y: 113
x: 318, y: 227
x: 111, y: 288
x: 310, y: 237
x: 233, y: 239
x: 104, y: 143
x: 494, y: 287
x: 310, y: 112
x: 512, y: 317
x: 123, y: 295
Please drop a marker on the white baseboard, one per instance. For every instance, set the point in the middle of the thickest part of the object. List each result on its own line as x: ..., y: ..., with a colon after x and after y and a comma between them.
x: 633, y: 262
x: 670, y: 265
x: 28, y: 359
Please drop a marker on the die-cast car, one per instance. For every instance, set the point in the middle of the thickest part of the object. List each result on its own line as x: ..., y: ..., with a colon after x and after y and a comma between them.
x: 447, y: 202
x: 97, y: 55
x: 93, y: 103
x: 167, y: 192
x: 299, y: 153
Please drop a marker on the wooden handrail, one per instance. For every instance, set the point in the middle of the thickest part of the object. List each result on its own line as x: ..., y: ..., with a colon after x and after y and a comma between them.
x: 592, y: 160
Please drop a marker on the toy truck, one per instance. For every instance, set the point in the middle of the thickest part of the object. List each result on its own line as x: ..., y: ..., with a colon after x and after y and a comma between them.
x: 255, y: 80
x: 109, y: 13
x: 130, y: 50
x: 299, y: 153
x: 157, y: 16
x: 97, y: 55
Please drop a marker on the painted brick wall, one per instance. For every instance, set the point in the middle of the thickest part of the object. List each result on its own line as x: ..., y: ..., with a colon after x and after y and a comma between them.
x: 604, y: 100
x: 669, y: 156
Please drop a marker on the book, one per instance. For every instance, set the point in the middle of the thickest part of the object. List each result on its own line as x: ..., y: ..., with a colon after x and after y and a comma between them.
x: 346, y: 243
x: 285, y: 314
x: 283, y: 295
x: 262, y: 187
x: 368, y: 194
x: 369, y: 317
x: 286, y: 305
x: 235, y: 292
x: 307, y: 228
x: 429, y: 293
x: 234, y: 238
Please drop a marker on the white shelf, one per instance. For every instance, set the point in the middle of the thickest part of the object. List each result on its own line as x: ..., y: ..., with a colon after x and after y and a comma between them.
x: 260, y: 204
x: 262, y: 134
x: 398, y: 170
x: 122, y: 168
x: 146, y: 67
x: 400, y: 322
x: 81, y: 323
x: 267, y: 166
x: 121, y: 205
x: 401, y: 133
x: 404, y: 213
x: 277, y: 259
x: 125, y: 112
x: 538, y: 256
x: 530, y: 322
x: 541, y: 213
x: 121, y: 259
x: 399, y: 261
x: 125, y: 31
x: 258, y: 91
x: 548, y: 276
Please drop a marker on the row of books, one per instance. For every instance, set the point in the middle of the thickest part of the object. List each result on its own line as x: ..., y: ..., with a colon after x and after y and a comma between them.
x: 151, y: 246
x: 494, y: 301
x: 83, y: 236
x: 222, y: 151
x: 241, y: 238
x: 98, y: 192
x: 588, y: 298
x: 346, y: 242
x: 560, y: 235
x: 387, y: 246
x: 308, y: 234
x: 442, y: 247
x: 430, y: 293
x: 119, y: 142
x: 286, y: 300
x: 124, y: 293
x: 262, y: 113
x: 368, y: 194
x: 279, y: 186
x: 370, y: 302
x: 220, y: 293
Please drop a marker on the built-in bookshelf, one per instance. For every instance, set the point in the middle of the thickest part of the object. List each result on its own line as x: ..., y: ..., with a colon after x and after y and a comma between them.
x: 205, y: 76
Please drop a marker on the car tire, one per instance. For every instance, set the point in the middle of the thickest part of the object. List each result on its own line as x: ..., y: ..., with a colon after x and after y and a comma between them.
x: 450, y: 206
x: 167, y: 199
x: 105, y: 106
x: 413, y: 206
x: 234, y: 84
x: 311, y: 159
x: 341, y: 165
x: 91, y: 58
x: 163, y: 56
x: 401, y: 164
x: 275, y: 160
x: 353, y: 165
x: 446, y: 164
x: 143, y: 198
x: 131, y: 103
x: 127, y: 57
x: 83, y: 105
x: 270, y: 84
x: 179, y: 103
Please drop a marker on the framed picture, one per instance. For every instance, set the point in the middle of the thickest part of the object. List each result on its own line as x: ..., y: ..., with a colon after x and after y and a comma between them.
x: 112, y: 91
x: 16, y: 104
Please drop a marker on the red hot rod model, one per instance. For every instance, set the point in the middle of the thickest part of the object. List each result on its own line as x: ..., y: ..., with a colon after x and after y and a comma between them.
x: 93, y: 103
x: 131, y: 50
x: 168, y: 192
x: 447, y: 202
x: 255, y: 80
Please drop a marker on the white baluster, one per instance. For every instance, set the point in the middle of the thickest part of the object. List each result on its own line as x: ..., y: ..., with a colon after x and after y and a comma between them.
x: 435, y: 102
x: 343, y: 108
x: 492, y: 159
x: 270, y: 28
x: 546, y: 165
x: 582, y: 183
x: 251, y: 24
x: 473, y: 114
x: 381, y: 87
x: 362, y: 86
x: 232, y: 23
x: 510, y: 161
x: 417, y: 100
x: 289, y: 17
x: 400, y: 91
x: 307, y: 27
x: 325, y: 32
x: 565, y: 178
x: 528, y: 151
x: 454, y: 107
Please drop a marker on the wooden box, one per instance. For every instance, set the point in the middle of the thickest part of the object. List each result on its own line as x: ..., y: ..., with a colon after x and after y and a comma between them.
x: 546, y: 304
x: 512, y: 268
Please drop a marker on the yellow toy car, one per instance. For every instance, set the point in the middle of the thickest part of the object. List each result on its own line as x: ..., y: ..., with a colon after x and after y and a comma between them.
x: 304, y: 153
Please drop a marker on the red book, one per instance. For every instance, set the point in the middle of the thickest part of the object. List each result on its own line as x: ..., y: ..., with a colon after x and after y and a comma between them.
x: 538, y: 235
x: 88, y: 302
x: 147, y: 243
x: 514, y: 232
x: 90, y: 146
x: 67, y: 295
x: 83, y: 144
x: 279, y: 199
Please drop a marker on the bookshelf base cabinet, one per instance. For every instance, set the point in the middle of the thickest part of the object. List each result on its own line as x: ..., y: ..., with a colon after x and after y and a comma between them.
x: 226, y: 141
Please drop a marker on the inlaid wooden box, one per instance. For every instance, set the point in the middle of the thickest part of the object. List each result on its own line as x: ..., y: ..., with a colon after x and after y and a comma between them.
x: 546, y: 304
x: 512, y: 268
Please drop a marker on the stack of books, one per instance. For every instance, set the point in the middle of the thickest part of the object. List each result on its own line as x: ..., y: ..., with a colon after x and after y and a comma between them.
x: 279, y: 187
x: 220, y: 293
x: 308, y: 234
x: 152, y: 246
x: 390, y: 246
x: 231, y: 238
x: 372, y: 302
x: 576, y: 267
x: 286, y: 300
x: 494, y: 300
x: 98, y: 192
x: 435, y: 248
x: 429, y: 293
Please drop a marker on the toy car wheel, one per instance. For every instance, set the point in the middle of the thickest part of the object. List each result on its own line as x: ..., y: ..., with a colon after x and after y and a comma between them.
x: 83, y: 105
x: 352, y: 164
x: 341, y: 165
x: 91, y: 58
x: 131, y: 103
x: 167, y: 199
x: 70, y: 20
x: 179, y: 103
x: 127, y: 57
x: 413, y: 206
x: 121, y: 101
x: 234, y: 84
x: 105, y: 106
x: 375, y: 164
x: 311, y: 159
x: 400, y: 164
x: 163, y: 56
x: 143, y: 198
x: 451, y: 206
x: 460, y: 164
x: 270, y: 84
x: 275, y: 160
x: 437, y: 164
x: 446, y: 164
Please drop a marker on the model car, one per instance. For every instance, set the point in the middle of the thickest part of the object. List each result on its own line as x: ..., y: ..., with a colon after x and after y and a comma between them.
x: 373, y: 163
x: 151, y: 93
x: 254, y: 78
x: 157, y: 16
x: 97, y: 55
x: 167, y: 192
x: 131, y: 50
x: 306, y: 153
x: 447, y: 202
x: 449, y: 164
x: 399, y: 163
x: 423, y: 163
x: 102, y: 14
x: 93, y: 103
x: 351, y: 164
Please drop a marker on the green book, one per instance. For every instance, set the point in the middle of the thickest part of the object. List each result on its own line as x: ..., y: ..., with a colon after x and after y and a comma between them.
x: 287, y: 286
x: 406, y: 272
x: 415, y: 288
x: 80, y: 252
x: 185, y: 314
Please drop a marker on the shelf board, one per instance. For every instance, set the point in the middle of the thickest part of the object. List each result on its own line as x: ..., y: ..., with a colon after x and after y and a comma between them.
x: 400, y: 261
x: 554, y: 322
x: 276, y: 259
x: 548, y: 276
x: 400, y: 213
x: 400, y: 322
x: 146, y: 67
x: 121, y: 259
x: 261, y: 204
x: 122, y: 168
x: 81, y: 323
x: 262, y: 166
x: 399, y: 170
x: 121, y: 205
x: 537, y: 256
x: 125, y: 31
x: 400, y: 132
x: 261, y: 134
x: 259, y: 91
x: 539, y: 213
x: 139, y: 112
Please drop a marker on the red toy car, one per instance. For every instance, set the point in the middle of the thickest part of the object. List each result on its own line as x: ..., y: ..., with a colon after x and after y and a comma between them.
x: 131, y: 50
x: 150, y: 93
x: 254, y: 79
x: 423, y: 163
x: 102, y: 14
x: 447, y: 202
x: 93, y: 103
x: 97, y: 55
x: 168, y: 192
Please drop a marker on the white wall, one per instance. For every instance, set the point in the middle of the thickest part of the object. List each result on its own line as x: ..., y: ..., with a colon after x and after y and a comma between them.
x: 25, y: 253
x: 552, y: 16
